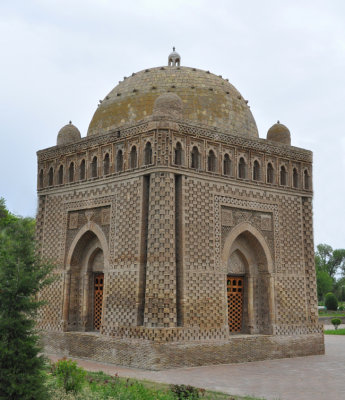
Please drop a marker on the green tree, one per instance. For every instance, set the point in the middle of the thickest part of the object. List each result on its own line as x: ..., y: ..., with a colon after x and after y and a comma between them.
x: 327, y: 259
x: 324, y: 283
x: 22, y: 275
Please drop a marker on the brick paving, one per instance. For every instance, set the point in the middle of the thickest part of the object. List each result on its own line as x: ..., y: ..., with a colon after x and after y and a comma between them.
x: 302, y: 378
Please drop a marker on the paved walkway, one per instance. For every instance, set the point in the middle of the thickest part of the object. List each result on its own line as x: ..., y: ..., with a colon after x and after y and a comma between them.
x: 302, y: 378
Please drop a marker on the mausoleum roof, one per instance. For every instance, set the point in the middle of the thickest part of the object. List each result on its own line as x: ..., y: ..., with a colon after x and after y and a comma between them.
x: 207, y: 99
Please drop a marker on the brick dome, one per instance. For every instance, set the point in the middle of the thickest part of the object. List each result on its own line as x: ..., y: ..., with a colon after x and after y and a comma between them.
x: 68, y: 134
x: 208, y: 100
x: 279, y: 133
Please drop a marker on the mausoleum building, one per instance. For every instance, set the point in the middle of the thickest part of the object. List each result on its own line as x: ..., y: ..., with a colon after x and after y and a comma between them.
x: 180, y: 237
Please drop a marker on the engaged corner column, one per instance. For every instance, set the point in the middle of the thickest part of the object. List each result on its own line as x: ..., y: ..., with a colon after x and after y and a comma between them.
x: 160, y: 293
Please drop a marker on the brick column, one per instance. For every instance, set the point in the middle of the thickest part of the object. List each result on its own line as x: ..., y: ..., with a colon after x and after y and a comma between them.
x: 160, y: 293
x: 309, y: 260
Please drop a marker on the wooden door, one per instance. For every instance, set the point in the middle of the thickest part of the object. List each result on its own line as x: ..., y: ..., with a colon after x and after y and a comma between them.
x: 98, y: 300
x: 235, y: 302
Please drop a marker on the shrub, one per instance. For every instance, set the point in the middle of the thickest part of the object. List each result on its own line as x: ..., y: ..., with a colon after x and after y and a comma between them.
x: 185, y: 392
x: 336, y: 322
x: 341, y: 308
x: 331, y: 301
x: 69, y: 375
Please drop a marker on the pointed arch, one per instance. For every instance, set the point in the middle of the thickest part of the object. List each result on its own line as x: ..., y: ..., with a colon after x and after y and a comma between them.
x: 71, y: 172
x: 242, y: 228
x: 211, y: 161
x: 94, y: 167
x: 227, y: 165
x: 96, y: 230
x: 82, y: 170
x: 148, y: 154
x: 40, y: 179
x: 106, y: 164
x: 60, y: 175
x: 242, y: 168
x: 119, y: 161
x: 51, y: 176
x: 295, y: 178
x: 270, y: 173
x: 256, y: 171
x: 178, y: 154
x: 88, y: 250
x: 246, y: 257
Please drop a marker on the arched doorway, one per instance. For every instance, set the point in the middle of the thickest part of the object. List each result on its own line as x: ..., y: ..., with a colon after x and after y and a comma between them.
x: 249, y: 282
x: 85, y: 282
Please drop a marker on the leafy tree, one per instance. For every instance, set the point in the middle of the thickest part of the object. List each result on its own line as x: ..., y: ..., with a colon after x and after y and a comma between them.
x: 22, y: 275
x: 324, y: 283
x: 339, y: 289
x: 327, y: 259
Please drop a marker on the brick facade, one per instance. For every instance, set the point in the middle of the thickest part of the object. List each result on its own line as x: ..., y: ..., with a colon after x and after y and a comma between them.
x: 167, y: 233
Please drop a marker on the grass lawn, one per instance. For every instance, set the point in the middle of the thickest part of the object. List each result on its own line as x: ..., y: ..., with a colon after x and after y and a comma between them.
x: 335, y: 332
x: 331, y: 314
x: 98, y: 385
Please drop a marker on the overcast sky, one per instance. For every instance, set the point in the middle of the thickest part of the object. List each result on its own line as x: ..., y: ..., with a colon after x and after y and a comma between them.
x: 58, y: 58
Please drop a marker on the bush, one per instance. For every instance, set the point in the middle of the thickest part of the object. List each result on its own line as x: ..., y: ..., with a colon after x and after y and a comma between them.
x: 69, y: 375
x: 331, y: 301
x: 185, y: 392
x: 341, y: 308
x: 336, y: 322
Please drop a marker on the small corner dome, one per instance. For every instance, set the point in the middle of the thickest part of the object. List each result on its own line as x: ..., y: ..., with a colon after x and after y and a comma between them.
x: 279, y: 133
x: 68, y: 134
x: 168, y: 105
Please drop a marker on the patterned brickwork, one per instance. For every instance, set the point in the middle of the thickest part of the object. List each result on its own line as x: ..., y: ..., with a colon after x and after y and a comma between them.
x: 291, y: 236
x: 198, y: 226
x: 309, y: 260
x: 141, y: 281
x: 160, y: 297
x: 54, y: 230
x: 40, y: 223
x: 50, y: 315
x: 126, y: 243
x: 121, y: 299
x: 205, y: 303
x: 291, y: 301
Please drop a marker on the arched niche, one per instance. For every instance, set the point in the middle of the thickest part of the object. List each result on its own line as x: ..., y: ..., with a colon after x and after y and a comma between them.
x: 85, y: 280
x: 247, y: 258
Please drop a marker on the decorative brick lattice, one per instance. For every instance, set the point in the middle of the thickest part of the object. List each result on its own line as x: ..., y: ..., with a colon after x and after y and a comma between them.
x: 309, y: 260
x: 291, y: 223
x: 121, y: 296
x: 291, y: 300
x: 205, y: 302
x: 160, y: 296
x: 50, y: 315
x: 198, y: 225
x: 125, y: 248
x: 73, y: 220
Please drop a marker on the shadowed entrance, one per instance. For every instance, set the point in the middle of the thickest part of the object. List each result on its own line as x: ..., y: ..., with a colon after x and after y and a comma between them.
x: 248, y: 282
x: 85, y: 284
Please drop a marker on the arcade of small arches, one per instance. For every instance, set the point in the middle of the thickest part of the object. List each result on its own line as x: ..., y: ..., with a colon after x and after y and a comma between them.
x: 256, y: 172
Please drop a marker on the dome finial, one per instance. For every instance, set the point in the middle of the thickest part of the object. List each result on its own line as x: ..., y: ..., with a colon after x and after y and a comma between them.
x: 174, y: 59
